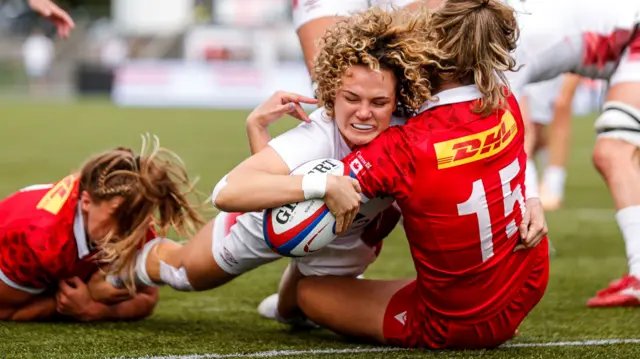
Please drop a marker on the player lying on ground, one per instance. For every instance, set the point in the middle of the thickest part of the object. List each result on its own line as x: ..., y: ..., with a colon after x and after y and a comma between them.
x: 362, y: 101
x: 312, y: 19
x: 600, y: 42
x: 457, y: 170
x: 53, y: 238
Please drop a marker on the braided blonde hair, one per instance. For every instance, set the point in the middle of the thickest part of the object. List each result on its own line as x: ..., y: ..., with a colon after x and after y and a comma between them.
x: 154, y: 187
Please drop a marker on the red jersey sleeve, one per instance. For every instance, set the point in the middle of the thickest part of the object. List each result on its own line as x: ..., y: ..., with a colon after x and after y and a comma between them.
x: 151, y: 234
x: 384, y: 166
x: 20, y: 267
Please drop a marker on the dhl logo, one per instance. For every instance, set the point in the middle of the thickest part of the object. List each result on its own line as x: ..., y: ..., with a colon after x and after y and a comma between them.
x: 53, y: 200
x: 471, y: 148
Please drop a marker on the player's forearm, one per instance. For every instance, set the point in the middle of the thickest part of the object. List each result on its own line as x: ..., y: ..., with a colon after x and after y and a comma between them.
x: 40, y: 308
x: 136, y: 308
x: 249, y: 190
x: 258, y: 137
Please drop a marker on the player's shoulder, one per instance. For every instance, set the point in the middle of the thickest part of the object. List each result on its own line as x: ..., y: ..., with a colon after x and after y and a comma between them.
x: 42, y: 206
x: 320, y: 119
x: 53, y: 243
x: 321, y: 126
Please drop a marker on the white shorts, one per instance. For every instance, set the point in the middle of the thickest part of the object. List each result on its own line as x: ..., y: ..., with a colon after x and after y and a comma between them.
x: 349, y: 257
x: 307, y: 10
x: 628, y: 69
x: 239, y: 246
x: 542, y: 97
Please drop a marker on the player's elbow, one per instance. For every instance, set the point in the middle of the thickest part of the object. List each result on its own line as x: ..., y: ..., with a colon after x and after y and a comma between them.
x: 147, y: 302
x: 7, y: 313
x: 231, y: 198
x: 224, y: 201
x: 222, y: 198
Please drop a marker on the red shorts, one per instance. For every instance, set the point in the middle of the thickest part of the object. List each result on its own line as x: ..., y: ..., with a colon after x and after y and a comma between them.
x: 438, y: 332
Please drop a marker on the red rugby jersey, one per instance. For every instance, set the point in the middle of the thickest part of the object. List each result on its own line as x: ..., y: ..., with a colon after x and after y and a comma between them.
x: 459, y: 180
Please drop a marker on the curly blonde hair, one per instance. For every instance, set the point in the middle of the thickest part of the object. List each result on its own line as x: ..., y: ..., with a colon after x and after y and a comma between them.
x: 474, y: 41
x: 378, y: 40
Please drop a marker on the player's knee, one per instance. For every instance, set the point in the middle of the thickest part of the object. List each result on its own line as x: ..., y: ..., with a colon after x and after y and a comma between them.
x: 611, y: 156
x: 305, y: 295
x: 602, y: 158
x: 617, y: 128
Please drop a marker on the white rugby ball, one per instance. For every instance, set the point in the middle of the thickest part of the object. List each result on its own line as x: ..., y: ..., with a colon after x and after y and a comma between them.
x: 299, y: 229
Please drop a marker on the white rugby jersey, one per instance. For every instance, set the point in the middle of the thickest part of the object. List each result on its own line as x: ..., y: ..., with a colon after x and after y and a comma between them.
x: 322, y: 139
x: 586, y: 37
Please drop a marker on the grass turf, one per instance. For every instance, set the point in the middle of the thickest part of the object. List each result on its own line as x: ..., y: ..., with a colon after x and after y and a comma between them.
x: 43, y: 142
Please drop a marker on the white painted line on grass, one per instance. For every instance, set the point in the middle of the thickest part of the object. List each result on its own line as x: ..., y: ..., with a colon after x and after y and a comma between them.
x: 284, y: 353
x: 280, y: 353
x: 582, y: 343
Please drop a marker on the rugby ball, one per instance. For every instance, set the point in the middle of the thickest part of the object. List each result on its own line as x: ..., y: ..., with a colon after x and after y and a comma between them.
x: 299, y: 229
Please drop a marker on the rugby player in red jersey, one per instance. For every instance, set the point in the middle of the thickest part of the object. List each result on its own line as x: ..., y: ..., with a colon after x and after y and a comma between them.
x: 53, y: 238
x: 457, y: 170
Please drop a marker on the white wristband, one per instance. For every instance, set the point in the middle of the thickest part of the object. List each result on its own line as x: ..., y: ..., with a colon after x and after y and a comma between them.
x: 531, y: 180
x: 314, y: 185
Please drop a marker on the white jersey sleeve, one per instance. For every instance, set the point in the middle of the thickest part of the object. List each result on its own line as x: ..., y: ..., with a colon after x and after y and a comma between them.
x: 306, y: 142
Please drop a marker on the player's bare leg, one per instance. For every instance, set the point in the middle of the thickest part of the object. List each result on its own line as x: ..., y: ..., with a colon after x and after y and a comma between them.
x: 530, y: 140
x: 618, y: 161
x: 196, y: 258
x: 184, y: 267
x: 349, y: 306
x: 558, y: 140
x: 283, y: 306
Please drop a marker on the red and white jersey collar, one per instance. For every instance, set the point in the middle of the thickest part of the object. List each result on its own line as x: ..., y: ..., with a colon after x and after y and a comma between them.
x: 80, y: 234
x: 454, y: 95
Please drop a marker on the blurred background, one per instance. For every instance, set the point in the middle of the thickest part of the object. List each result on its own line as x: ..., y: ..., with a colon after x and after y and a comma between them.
x: 193, y: 53
x: 164, y: 53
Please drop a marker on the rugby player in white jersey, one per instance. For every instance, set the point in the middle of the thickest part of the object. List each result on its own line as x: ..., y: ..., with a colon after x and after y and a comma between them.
x: 598, y: 40
x: 548, y: 106
x: 361, y: 104
x: 312, y: 18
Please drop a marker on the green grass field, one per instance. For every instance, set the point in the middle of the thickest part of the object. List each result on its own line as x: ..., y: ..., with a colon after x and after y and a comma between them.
x: 42, y: 143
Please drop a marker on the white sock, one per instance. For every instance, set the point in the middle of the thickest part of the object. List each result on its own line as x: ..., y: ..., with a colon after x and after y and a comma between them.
x: 543, y: 157
x: 140, y: 270
x: 140, y: 275
x: 629, y: 223
x: 176, y: 278
x: 554, y: 179
x: 531, y: 180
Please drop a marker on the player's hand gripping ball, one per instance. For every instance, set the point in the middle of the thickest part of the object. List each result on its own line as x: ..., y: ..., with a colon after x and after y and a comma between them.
x: 299, y: 229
